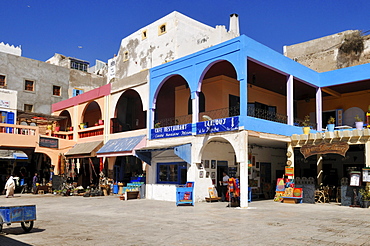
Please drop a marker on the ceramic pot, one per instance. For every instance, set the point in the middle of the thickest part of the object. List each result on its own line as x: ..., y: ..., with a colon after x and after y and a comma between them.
x: 330, y: 127
x: 359, y: 125
x: 306, y: 130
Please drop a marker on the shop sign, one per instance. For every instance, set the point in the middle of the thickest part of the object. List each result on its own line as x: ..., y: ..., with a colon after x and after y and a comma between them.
x: 4, y: 104
x: 171, y: 131
x: 325, y: 148
x: 366, y: 174
x: 218, y: 125
x: 48, y: 142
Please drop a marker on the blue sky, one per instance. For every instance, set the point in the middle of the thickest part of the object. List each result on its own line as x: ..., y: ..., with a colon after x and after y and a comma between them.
x: 45, y: 27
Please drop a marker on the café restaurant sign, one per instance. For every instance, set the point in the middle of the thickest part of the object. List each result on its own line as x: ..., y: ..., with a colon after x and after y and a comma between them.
x: 325, y: 148
x: 218, y: 125
x: 171, y: 131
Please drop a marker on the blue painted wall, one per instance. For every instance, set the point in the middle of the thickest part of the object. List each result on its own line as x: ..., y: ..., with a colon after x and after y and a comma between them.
x: 237, y: 51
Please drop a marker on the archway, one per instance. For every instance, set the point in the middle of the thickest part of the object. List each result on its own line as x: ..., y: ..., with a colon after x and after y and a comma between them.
x: 129, y: 113
x: 92, y: 114
x: 218, y: 156
x: 172, y: 102
x: 65, y: 124
x: 221, y: 91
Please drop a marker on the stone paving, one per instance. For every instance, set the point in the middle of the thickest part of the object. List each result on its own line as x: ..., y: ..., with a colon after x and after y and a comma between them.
x: 110, y: 221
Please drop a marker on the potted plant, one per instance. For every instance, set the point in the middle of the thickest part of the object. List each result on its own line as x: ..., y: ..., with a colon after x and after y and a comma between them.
x: 306, y: 125
x: 331, y: 123
x: 57, y: 127
x: 365, y: 196
x: 359, y: 123
x: 82, y: 125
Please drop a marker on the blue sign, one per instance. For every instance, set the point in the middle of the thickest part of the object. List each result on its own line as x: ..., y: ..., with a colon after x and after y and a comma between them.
x: 171, y: 131
x: 218, y: 125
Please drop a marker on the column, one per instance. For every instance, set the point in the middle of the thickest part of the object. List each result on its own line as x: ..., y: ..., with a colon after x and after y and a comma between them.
x: 290, y: 100
x: 319, y: 109
x: 195, y: 106
x: 243, y: 165
x: 319, y: 170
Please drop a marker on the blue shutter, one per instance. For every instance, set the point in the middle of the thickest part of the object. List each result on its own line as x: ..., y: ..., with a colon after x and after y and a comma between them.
x: 10, y: 118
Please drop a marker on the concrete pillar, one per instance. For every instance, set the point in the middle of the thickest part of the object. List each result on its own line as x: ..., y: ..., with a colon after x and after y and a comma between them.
x: 290, y: 100
x: 367, y: 158
x: 106, y: 117
x: 243, y: 165
x: 367, y: 154
x: 319, y: 109
x: 195, y: 106
x: 319, y: 170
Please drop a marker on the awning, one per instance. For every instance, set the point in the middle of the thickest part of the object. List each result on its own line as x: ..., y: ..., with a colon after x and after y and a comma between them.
x: 84, y: 150
x: 20, y: 156
x: 183, y: 151
x: 122, y: 146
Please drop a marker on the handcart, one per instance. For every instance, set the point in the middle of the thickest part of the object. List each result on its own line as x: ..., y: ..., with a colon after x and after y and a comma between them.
x: 18, y: 214
x: 184, y: 194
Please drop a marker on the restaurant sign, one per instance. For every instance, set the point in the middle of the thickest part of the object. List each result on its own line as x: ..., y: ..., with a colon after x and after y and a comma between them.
x: 171, y: 131
x: 325, y: 148
x: 218, y: 125
x: 48, y: 142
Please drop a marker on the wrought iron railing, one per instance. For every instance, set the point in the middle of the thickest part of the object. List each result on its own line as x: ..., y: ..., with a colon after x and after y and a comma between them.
x: 230, y: 112
x: 178, y: 120
x: 267, y: 115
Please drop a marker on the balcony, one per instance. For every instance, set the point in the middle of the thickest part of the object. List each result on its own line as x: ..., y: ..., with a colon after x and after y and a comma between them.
x: 91, y: 131
x: 18, y: 135
x: 63, y: 135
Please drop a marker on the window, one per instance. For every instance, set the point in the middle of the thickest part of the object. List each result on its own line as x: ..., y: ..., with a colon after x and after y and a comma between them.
x: 2, y: 80
x: 125, y: 56
x: 143, y: 35
x: 29, y: 85
x: 56, y: 90
x: 79, y: 65
x: 162, y: 29
x: 171, y: 173
x: 28, y: 108
x: 77, y: 92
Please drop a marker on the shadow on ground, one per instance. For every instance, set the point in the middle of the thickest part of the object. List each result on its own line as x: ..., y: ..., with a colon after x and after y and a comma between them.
x: 4, y: 240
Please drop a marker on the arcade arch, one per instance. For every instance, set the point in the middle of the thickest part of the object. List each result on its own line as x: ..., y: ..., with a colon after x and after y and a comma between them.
x: 129, y: 113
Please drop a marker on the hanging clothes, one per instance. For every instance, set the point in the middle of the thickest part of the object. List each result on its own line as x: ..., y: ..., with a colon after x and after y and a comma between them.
x: 73, y: 169
x: 78, y: 165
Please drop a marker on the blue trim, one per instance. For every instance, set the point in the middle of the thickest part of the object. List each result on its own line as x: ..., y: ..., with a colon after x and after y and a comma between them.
x: 183, y: 151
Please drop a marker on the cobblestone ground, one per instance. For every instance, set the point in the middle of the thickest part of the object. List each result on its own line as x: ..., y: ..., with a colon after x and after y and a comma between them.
x: 110, y: 221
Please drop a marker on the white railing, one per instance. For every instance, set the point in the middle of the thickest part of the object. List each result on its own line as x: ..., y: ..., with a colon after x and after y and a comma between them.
x: 18, y: 129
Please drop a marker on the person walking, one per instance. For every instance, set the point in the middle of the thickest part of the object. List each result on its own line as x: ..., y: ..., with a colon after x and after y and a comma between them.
x: 10, y: 187
x: 35, y: 180
x: 225, y: 181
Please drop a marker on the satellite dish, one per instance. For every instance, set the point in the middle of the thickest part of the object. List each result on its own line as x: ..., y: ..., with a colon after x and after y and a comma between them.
x: 206, y: 117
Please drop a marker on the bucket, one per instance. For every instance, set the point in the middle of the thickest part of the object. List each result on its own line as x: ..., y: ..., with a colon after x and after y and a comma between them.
x: 115, y: 189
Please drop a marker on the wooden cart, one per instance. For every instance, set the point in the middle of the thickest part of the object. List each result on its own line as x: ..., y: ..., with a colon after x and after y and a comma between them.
x: 18, y: 214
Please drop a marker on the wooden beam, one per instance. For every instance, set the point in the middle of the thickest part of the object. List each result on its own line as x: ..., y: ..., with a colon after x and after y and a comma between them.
x: 331, y: 92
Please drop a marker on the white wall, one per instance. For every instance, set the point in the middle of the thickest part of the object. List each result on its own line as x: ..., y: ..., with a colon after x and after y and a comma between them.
x: 10, y: 49
x: 8, y: 101
x: 183, y: 36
